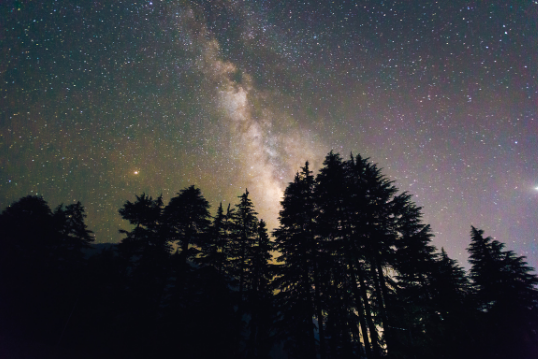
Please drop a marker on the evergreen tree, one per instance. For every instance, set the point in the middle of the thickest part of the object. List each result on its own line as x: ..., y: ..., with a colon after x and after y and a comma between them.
x: 186, y: 221
x: 41, y: 266
x: 347, y: 231
x: 260, y: 296
x: 344, y: 288
x: 244, y: 236
x: 146, y: 244
x: 370, y: 222
x: 28, y: 228
x: 452, y: 326
x: 297, y: 277
x: 216, y: 247
x: 414, y: 261
x: 70, y: 222
x: 506, y: 295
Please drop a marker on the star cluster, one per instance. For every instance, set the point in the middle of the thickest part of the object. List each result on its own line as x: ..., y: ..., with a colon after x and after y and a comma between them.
x: 100, y: 101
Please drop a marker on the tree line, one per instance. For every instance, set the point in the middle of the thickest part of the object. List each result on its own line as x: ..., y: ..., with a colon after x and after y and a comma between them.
x: 349, y: 273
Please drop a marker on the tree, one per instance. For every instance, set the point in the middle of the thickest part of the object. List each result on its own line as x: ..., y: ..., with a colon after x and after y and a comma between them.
x: 344, y: 286
x: 41, y: 266
x: 73, y: 232
x: 349, y: 243
x: 216, y: 247
x: 146, y: 243
x: 297, y: 277
x: 451, y: 326
x: 186, y: 220
x: 28, y: 228
x: 244, y: 236
x: 506, y: 295
x: 414, y: 260
x: 260, y: 296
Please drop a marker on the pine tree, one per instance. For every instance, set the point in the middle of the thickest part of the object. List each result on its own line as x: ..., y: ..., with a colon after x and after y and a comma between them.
x: 250, y: 250
x: 370, y: 212
x: 297, y: 277
x: 215, y: 248
x: 345, y: 288
x: 146, y: 245
x: 338, y: 255
x: 452, y: 326
x: 244, y: 235
x: 260, y: 296
x: 506, y: 295
x: 186, y: 221
x: 145, y: 253
x: 74, y: 235
x: 41, y: 266
x: 414, y: 261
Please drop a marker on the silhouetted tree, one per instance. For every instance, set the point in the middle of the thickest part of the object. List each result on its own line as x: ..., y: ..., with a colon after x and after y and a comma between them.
x: 215, y: 249
x: 414, y: 260
x: 146, y: 247
x: 297, y: 277
x: 349, y: 242
x: 340, y: 268
x: 260, y: 296
x: 41, y: 266
x: 506, y: 295
x: 186, y: 219
x: 451, y: 327
x: 244, y: 236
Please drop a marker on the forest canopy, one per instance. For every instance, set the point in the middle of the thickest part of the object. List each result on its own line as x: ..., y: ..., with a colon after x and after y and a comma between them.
x: 350, y: 272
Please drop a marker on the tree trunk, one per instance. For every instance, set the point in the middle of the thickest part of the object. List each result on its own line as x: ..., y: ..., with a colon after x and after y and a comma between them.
x: 383, y: 303
x: 362, y: 313
x: 368, y: 312
x: 319, y: 313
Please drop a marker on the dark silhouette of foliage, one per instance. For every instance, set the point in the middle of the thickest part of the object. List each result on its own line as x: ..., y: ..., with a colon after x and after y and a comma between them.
x: 298, y: 296
x: 356, y: 277
x: 260, y: 297
x: 186, y: 220
x: 244, y: 236
x: 41, y: 269
x: 216, y: 248
x: 146, y: 242
x: 506, y: 298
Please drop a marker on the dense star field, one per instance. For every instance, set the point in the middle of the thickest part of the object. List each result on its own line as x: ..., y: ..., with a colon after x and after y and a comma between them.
x: 102, y: 100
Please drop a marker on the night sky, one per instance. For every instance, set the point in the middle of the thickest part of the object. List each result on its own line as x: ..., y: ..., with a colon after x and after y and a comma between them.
x: 102, y: 100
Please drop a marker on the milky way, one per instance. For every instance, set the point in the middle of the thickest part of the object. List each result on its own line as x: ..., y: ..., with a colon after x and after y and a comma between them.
x: 100, y: 101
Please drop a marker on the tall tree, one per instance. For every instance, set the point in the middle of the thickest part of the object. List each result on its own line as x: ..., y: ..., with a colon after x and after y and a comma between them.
x: 216, y: 247
x: 145, y: 252
x: 244, y: 235
x: 339, y: 266
x: 186, y: 220
x: 349, y: 230
x: 452, y: 325
x: 507, y: 296
x: 297, y: 277
x: 260, y: 296
x: 413, y: 260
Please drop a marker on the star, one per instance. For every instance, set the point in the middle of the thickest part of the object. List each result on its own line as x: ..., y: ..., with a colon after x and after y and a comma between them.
x: 249, y: 104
